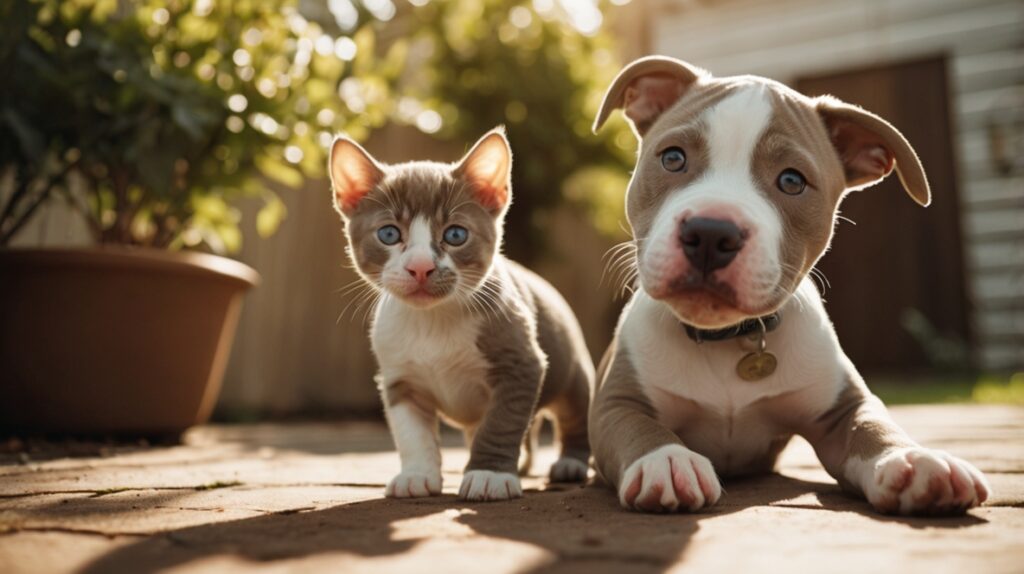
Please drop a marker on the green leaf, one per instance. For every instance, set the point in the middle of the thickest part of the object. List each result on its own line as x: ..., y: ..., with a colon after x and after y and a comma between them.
x: 365, y: 57
x: 230, y: 235
x: 277, y: 170
x: 270, y: 217
x: 103, y: 9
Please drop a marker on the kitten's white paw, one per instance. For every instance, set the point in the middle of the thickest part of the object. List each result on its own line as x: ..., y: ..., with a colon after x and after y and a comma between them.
x: 669, y: 479
x: 567, y: 469
x: 414, y: 484
x: 485, y: 485
x: 923, y: 481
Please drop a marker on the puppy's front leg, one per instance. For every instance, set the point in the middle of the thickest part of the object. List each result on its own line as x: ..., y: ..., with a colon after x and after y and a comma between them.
x: 492, y: 473
x: 645, y: 461
x: 863, y: 449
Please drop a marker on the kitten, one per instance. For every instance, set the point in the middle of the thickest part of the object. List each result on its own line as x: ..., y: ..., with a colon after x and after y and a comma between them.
x: 460, y: 331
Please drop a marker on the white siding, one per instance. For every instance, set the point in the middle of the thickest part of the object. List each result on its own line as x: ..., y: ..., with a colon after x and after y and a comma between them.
x: 984, y: 39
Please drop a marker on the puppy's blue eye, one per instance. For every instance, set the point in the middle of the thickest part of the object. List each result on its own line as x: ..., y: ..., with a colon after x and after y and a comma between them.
x: 673, y: 159
x: 791, y: 182
x: 456, y: 235
x: 389, y: 235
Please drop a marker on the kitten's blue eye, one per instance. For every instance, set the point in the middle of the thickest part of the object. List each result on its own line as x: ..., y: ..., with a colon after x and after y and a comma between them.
x: 389, y: 235
x: 456, y: 235
x: 673, y: 159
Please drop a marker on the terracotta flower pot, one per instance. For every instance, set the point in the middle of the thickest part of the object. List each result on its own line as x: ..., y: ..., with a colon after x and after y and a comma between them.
x: 114, y: 340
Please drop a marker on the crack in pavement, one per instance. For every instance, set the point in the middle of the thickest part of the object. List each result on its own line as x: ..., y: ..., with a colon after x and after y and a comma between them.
x: 265, y: 512
x: 100, y: 492
x: 12, y: 530
x: 41, y: 468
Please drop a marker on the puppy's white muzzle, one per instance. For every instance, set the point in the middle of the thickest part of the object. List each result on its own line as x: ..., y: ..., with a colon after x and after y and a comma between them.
x: 714, y: 262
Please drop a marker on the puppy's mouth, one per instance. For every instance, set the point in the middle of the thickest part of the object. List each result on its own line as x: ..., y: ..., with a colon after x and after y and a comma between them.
x: 703, y: 301
x: 703, y: 284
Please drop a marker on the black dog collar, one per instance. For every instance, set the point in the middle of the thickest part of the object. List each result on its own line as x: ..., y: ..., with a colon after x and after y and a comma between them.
x: 742, y: 329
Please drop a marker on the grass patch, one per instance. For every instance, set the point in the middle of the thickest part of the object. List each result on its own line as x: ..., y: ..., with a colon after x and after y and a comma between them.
x: 986, y: 389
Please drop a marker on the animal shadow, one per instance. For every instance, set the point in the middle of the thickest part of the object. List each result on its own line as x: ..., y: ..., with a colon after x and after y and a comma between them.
x: 562, y: 528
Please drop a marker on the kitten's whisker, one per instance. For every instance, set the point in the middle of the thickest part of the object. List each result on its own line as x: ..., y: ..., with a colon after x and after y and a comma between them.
x: 460, y: 298
x: 351, y: 302
x: 371, y: 310
x: 353, y: 286
x: 361, y: 302
x: 481, y: 305
x: 456, y: 208
x: 492, y: 297
x: 358, y: 295
x: 368, y: 300
x: 486, y: 303
x: 622, y: 226
x: 381, y: 203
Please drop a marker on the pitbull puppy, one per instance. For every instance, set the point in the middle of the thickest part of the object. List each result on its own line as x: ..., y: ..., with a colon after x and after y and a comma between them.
x: 725, y: 351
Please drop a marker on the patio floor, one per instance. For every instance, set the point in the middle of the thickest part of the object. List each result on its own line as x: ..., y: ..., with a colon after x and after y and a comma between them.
x: 308, y: 497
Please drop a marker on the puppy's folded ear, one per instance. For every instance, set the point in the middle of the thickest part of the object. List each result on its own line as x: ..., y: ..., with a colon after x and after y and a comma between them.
x: 645, y: 89
x: 354, y: 173
x: 488, y: 169
x: 870, y: 147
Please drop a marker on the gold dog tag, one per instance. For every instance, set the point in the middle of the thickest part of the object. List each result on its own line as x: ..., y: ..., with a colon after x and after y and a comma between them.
x: 759, y: 364
x: 756, y: 366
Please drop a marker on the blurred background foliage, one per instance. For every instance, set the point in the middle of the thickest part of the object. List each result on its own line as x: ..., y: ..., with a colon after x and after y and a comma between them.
x: 153, y: 118
x: 166, y: 112
x: 540, y: 69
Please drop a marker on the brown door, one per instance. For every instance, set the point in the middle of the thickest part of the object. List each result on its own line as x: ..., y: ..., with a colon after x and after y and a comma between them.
x: 899, y: 259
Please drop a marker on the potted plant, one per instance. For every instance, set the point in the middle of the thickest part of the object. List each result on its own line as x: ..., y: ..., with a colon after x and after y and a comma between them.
x: 151, y: 119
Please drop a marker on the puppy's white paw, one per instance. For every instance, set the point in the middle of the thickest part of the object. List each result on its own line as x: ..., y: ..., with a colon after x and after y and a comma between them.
x: 923, y: 481
x: 486, y: 485
x: 669, y: 479
x: 414, y: 484
x: 568, y: 469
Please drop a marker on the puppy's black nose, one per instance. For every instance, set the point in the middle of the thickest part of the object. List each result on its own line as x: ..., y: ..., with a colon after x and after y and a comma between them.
x: 710, y: 244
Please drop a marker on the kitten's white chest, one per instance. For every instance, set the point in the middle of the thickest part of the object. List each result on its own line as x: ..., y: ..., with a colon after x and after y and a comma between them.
x: 435, y: 351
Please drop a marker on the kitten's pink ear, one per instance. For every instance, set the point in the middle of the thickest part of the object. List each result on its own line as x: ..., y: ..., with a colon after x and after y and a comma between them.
x: 870, y: 148
x: 488, y: 168
x: 354, y: 172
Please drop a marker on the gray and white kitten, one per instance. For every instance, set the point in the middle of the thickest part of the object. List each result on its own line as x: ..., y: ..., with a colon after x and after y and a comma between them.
x: 460, y: 332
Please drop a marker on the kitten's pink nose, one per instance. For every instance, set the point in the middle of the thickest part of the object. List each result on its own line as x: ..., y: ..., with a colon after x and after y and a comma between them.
x: 420, y: 269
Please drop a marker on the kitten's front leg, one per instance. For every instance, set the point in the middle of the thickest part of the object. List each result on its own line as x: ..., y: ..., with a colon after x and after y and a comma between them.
x: 494, y: 455
x: 415, y: 431
x: 860, y: 445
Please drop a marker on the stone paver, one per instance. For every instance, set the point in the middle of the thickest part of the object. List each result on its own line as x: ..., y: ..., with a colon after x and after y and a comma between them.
x: 308, y: 497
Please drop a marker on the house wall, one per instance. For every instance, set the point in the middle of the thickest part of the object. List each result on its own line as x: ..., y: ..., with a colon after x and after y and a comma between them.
x: 984, y: 43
